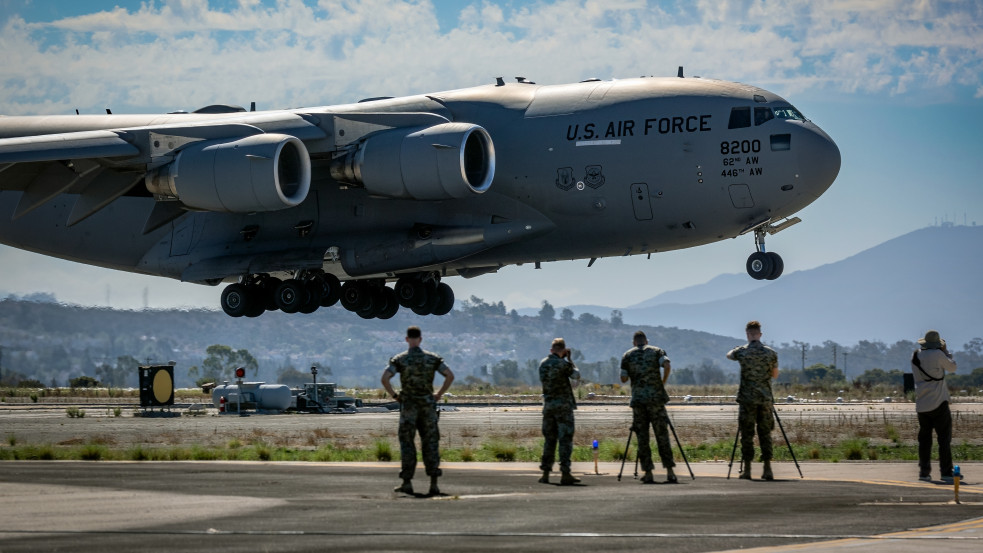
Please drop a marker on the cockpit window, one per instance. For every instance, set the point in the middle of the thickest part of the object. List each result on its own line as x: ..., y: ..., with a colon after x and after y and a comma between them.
x: 761, y: 115
x: 788, y: 112
x: 739, y: 118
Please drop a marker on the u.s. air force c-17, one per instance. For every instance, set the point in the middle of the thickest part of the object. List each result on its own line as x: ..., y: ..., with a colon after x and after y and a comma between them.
x: 301, y: 208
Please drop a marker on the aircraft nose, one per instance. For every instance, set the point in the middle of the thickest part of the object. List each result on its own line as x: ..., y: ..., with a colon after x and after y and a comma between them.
x: 820, y: 159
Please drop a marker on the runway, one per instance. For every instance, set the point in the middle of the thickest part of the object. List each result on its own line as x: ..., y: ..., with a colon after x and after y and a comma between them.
x: 228, y: 506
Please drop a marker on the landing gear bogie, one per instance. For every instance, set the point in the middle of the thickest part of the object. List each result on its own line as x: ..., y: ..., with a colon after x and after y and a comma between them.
x: 309, y: 290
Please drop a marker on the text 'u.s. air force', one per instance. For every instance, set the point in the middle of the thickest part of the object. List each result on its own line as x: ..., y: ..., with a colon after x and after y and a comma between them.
x: 642, y: 127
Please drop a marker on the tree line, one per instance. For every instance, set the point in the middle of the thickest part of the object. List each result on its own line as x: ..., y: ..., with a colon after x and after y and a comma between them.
x: 51, y: 344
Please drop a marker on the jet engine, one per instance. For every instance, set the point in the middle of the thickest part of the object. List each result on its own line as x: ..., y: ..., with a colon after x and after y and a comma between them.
x: 450, y: 160
x: 263, y: 172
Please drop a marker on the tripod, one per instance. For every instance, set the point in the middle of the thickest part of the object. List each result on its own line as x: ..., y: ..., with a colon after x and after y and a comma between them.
x: 683, y: 453
x: 737, y: 436
x: 625, y: 457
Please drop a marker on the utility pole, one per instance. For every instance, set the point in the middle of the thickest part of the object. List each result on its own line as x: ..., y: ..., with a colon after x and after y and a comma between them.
x: 845, y: 354
x: 834, y: 357
x: 803, y: 357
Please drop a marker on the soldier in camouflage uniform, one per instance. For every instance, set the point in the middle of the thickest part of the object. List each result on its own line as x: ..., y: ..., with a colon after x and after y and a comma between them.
x: 418, y: 407
x: 556, y: 372
x: 759, y: 364
x: 641, y: 365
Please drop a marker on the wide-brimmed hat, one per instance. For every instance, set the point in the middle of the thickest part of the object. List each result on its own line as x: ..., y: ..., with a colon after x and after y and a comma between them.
x: 932, y: 340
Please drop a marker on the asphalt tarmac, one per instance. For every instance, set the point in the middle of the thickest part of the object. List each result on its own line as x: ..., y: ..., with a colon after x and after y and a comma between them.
x: 228, y: 506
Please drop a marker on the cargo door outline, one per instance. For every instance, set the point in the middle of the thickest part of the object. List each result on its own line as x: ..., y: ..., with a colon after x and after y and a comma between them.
x: 640, y: 202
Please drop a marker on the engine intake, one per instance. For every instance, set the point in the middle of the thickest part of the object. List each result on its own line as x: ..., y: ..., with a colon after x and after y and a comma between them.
x: 263, y: 172
x: 450, y: 160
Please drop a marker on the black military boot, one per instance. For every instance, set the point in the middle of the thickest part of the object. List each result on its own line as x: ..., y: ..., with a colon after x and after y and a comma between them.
x: 746, y: 470
x: 545, y: 478
x: 670, y: 476
x: 406, y: 488
x: 568, y: 479
x: 767, y: 475
x: 647, y: 478
x: 434, y: 490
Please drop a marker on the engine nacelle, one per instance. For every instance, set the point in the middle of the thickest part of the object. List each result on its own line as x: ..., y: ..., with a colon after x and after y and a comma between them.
x: 450, y: 160
x: 263, y: 172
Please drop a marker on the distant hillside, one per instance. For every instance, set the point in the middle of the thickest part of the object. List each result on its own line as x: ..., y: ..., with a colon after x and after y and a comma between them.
x: 49, y: 341
x: 929, y: 278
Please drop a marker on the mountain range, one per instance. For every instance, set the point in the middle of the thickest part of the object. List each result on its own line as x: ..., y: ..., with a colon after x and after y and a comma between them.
x: 928, y: 278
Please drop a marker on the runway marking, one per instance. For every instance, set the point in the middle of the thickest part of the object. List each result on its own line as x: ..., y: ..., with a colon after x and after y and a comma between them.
x: 481, y: 496
x: 943, y: 532
x: 931, y: 533
x: 904, y: 483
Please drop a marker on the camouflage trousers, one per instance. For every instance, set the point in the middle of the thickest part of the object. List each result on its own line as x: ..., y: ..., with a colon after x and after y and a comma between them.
x: 654, y: 415
x: 558, y: 426
x: 419, y: 416
x: 749, y: 416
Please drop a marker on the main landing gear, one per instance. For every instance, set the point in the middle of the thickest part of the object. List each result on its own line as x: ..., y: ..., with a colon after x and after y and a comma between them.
x: 309, y: 290
x: 762, y: 265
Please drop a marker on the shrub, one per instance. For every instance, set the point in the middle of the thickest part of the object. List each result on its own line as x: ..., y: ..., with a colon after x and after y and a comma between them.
x: 92, y: 452
x: 383, y: 451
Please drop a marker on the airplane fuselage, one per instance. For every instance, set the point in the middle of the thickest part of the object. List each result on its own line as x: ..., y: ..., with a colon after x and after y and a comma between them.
x: 586, y: 170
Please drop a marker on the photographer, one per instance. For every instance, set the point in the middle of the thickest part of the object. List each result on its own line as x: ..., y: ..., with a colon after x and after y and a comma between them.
x: 928, y: 366
x: 642, y: 365
x: 759, y: 366
x: 556, y: 373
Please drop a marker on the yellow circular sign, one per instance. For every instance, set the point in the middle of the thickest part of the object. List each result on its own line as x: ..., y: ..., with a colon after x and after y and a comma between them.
x: 163, y: 386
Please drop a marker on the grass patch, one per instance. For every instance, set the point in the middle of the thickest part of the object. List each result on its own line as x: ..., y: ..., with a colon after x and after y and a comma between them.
x: 383, y: 451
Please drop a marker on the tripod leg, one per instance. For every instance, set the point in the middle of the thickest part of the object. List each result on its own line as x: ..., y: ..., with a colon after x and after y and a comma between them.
x: 625, y: 457
x: 784, y: 435
x: 685, y: 460
x: 733, y: 451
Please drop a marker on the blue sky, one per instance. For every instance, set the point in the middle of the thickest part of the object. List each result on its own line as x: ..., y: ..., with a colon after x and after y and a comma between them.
x: 898, y: 85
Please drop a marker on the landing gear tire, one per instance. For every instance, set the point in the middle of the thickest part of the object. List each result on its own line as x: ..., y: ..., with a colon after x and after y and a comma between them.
x: 266, y: 292
x: 236, y: 300
x: 445, y: 301
x: 410, y: 292
x: 432, y: 297
x: 759, y: 265
x: 313, y: 286
x: 291, y: 295
x: 777, y: 266
x: 355, y: 296
x: 330, y: 290
x: 257, y: 302
x: 390, y: 303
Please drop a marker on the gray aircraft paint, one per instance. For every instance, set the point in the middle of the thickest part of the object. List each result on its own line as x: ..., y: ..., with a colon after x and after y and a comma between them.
x: 583, y: 170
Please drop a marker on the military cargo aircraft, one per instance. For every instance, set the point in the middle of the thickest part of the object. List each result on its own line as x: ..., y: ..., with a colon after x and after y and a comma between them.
x: 302, y: 208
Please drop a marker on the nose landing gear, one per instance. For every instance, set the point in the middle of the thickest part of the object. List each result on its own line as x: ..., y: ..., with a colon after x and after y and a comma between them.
x: 763, y: 265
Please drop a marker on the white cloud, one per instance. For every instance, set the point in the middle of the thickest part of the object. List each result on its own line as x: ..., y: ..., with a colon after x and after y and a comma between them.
x: 183, y: 54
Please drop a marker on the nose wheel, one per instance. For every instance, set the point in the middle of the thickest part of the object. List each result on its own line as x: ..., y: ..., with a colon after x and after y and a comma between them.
x: 765, y: 265
x: 762, y: 265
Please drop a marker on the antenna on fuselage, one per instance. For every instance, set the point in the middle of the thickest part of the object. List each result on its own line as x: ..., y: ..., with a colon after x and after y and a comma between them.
x: 680, y: 72
x: 252, y: 106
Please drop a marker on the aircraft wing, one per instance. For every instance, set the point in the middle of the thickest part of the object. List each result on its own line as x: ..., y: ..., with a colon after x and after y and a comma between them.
x: 48, y: 156
x: 63, y: 146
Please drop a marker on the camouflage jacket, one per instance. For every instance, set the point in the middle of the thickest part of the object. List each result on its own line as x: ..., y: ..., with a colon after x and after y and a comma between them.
x: 756, y: 361
x: 416, y: 369
x: 643, y: 366
x: 555, y: 373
